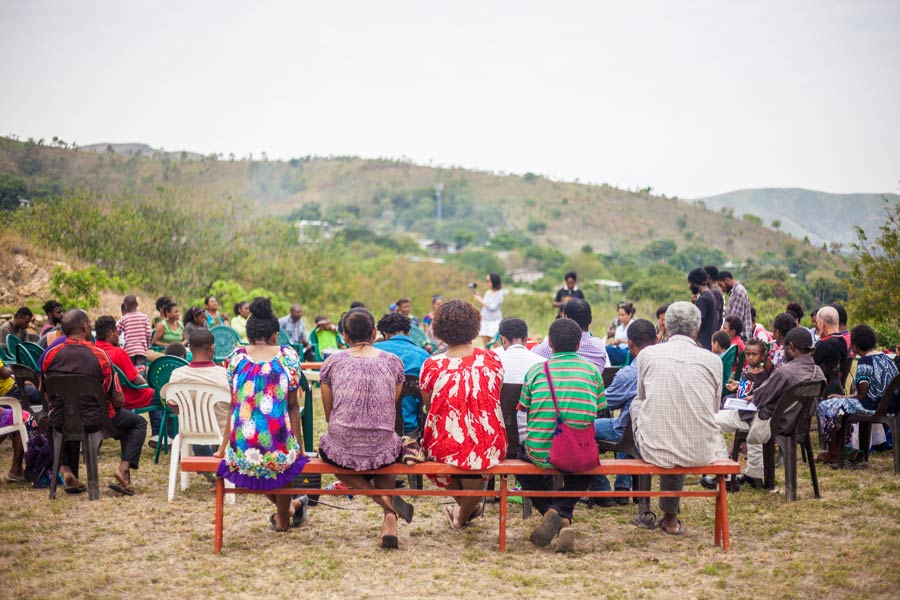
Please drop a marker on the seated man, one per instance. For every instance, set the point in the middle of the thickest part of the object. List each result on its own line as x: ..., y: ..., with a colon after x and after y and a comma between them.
x: 78, y: 356
x: 514, y: 356
x: 293, y: 327
x: 395, y: 329
x: 619, y: 394
x: 17, y: 326
x: 203, y: 370
x: 673, y: 414
x: 798, y: 367
x: 107, y: 336
x: 327, y: 336
x: 590, y: 348
x: 831, y: 347
x: 578, y: 387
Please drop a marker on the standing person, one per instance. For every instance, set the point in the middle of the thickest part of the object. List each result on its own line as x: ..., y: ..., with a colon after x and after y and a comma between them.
x: 239, y: 322
x: 738, y: 301
x: 590, y: 348
x: 213, y: 317
x: 619, y: 395
x: 567, y: 389
x: 134, y: 326
x: 491, y: 304
x: 394, y: 328
x: 360, y: 390
x: 461, y: 391
x: 568, y: 291
x: 617, y: 349
x: 170, y: 330
x: 17, y: 326
x: 261, y: 444
x: 674, y: 412
x: 194, y: 319
x: 705, y: 302
x: 294, y: 328
x: 404, y: 307
x: 712, y: 277
x: 78, y: 356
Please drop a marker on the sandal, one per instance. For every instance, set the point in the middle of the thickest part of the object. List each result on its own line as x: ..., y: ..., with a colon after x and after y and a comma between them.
x: 411, y: 452
x: 679, y: 531
x: 402, y: 508
x: 273, y: 528
x: 645, y: 520
x: 390, y: 541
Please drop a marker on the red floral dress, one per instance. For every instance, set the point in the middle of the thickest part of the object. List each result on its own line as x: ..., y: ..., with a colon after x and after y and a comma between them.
x: 464, y: 427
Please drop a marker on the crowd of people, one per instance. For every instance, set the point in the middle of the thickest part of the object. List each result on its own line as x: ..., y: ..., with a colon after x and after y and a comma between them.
x: 388, y: 398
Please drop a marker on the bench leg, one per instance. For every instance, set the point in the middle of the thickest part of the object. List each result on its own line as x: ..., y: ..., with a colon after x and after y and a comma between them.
x: 722, y: 500
x: 503, y: 509
x: 220, y: 510
x: 718, y: 523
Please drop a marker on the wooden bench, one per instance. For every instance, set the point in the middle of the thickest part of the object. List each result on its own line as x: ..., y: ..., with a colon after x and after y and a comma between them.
x: 720, y: 468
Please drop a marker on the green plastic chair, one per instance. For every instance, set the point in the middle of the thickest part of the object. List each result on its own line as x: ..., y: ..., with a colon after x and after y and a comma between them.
x: 283, y: 339
x: 728, y: 361
x: 494, y: 342
x: 33, y: 349
x: 24, y: 357
x: 158, y: 374
x: 12, y: 343
x: 6, y: 357
x: 227, y: 341
x: 418, y: 337
x: 123, y: 381
x: 314, y: 342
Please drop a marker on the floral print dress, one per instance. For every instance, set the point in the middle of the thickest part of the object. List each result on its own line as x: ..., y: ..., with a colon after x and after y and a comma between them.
x: 263, y: 452
x: 465, y: 426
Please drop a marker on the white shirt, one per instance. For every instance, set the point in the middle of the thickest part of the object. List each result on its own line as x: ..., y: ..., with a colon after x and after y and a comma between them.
x: 516, y: 361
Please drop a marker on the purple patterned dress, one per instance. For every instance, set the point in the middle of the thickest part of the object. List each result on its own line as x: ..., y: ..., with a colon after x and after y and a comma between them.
x: 360, y: 433
x: 262, y: 453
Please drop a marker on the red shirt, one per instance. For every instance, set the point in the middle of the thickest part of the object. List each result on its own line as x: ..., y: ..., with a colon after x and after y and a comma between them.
x: 79, y: 357
x: 118, y: 356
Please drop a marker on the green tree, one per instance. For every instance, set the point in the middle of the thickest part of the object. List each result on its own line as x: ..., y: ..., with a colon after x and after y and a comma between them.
x: 11, y: 189
x: 876, y: 287
x: 659, y: 249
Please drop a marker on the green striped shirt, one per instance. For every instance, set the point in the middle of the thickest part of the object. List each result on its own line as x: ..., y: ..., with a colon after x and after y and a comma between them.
x: 579, y: 393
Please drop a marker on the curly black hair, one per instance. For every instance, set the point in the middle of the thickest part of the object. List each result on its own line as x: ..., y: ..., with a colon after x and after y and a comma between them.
x: 565, y: 335
x: 864, y: 337
x: 392, y: 323
x: 262, y: 323
x: 104, y: 326
x: 359, y: 325
x: 456, y: 322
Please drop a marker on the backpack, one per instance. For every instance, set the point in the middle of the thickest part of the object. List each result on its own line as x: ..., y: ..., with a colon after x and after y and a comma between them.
x: 39, y: 460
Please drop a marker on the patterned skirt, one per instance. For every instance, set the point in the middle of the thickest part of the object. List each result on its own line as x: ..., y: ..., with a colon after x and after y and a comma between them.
x: 833, y: 411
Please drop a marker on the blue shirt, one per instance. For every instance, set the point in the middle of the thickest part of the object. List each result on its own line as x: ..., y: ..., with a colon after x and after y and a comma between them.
x: 412, y: 356
x: 621, y: 392
x: 296, y: 332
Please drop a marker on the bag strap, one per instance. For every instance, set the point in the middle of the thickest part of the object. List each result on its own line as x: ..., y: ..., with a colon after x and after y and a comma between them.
x: 552, y: 391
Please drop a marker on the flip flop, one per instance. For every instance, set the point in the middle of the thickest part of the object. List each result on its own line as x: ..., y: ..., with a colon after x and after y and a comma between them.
x: 126, y: 490
x: 75, y: 489
x: 299, y: 517
x: 390, y: 542
x: 645, y: 520
x: 272, y: 525
x: 404, y: 509
x: 679, y: 531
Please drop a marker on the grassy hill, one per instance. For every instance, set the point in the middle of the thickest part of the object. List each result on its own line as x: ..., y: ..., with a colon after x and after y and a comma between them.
x: 820, y: 216
x: 392, y: 196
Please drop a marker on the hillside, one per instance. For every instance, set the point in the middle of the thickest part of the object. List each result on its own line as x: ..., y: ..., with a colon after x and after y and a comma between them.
x: 820, y: 216
x: 393, y: 196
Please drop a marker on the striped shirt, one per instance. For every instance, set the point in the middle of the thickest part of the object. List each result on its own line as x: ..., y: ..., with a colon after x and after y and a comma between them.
x: 579, y: 393
x: 134, y: 327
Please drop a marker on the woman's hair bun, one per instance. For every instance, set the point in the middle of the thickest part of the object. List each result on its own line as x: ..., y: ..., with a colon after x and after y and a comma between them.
x: 261, y: 308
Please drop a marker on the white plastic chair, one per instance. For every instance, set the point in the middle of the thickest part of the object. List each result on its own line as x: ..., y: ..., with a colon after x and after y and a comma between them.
x: 18, y: 425
x: 197, y: 424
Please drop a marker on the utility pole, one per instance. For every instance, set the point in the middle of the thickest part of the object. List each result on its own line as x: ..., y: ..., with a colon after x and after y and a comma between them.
x: 438, y: 190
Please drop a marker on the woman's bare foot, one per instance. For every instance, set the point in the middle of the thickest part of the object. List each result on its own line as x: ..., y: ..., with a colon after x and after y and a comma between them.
x: 389, y: 531
x: 452, y: 513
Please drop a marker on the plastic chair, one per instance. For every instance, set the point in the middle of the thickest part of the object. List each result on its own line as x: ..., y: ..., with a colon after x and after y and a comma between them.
x: 158, y: 374
x: 728, y: 362
x: 283, y: 339
x: 495, y: 341
x: 12, y: 344
x: 24, y: 357
x: 33, y: 349
x: 18, y: 423
x: 509, y: 400
x: 197, y: 424
x: 887, y: 413
x: 76, y: 393
x: 7, y: 357
x: 227, y: 341
x: 831, y: 370
x: 609, y: 373
x: 123, y: 381
x: 807, y: 394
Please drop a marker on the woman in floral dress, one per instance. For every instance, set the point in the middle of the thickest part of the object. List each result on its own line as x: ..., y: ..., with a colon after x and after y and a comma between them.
x: 261, y: 445
x: 461, y: 390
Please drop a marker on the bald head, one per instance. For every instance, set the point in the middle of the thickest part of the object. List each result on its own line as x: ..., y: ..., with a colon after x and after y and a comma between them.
x: 827, y: 320
x: 76, y: 324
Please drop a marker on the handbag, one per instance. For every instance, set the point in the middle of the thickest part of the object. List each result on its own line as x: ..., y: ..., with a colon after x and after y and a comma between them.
x: 572, y: 450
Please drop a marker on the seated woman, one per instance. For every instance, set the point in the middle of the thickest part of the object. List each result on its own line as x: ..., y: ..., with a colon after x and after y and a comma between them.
x: 212, y: 315
x: 170, y: 329
x: 461, y: 392
x: 261, y: 445
x: 194, y: 319
x: 617, y: 349
x: 873, y: 374
x: 360, y: 391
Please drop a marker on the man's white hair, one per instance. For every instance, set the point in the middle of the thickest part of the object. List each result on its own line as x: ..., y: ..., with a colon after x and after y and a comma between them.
x: 829, y: 315
x: 683, y: 318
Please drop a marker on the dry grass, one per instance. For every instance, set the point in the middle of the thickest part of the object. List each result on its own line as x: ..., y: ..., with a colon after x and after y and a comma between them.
x: 843, y: 545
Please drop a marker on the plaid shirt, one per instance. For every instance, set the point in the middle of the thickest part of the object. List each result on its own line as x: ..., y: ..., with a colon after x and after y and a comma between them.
x: 678, y: 395
x: 739, y: 306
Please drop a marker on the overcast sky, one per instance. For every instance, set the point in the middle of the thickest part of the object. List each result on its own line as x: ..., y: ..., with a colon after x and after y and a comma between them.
x: 691, y: 98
